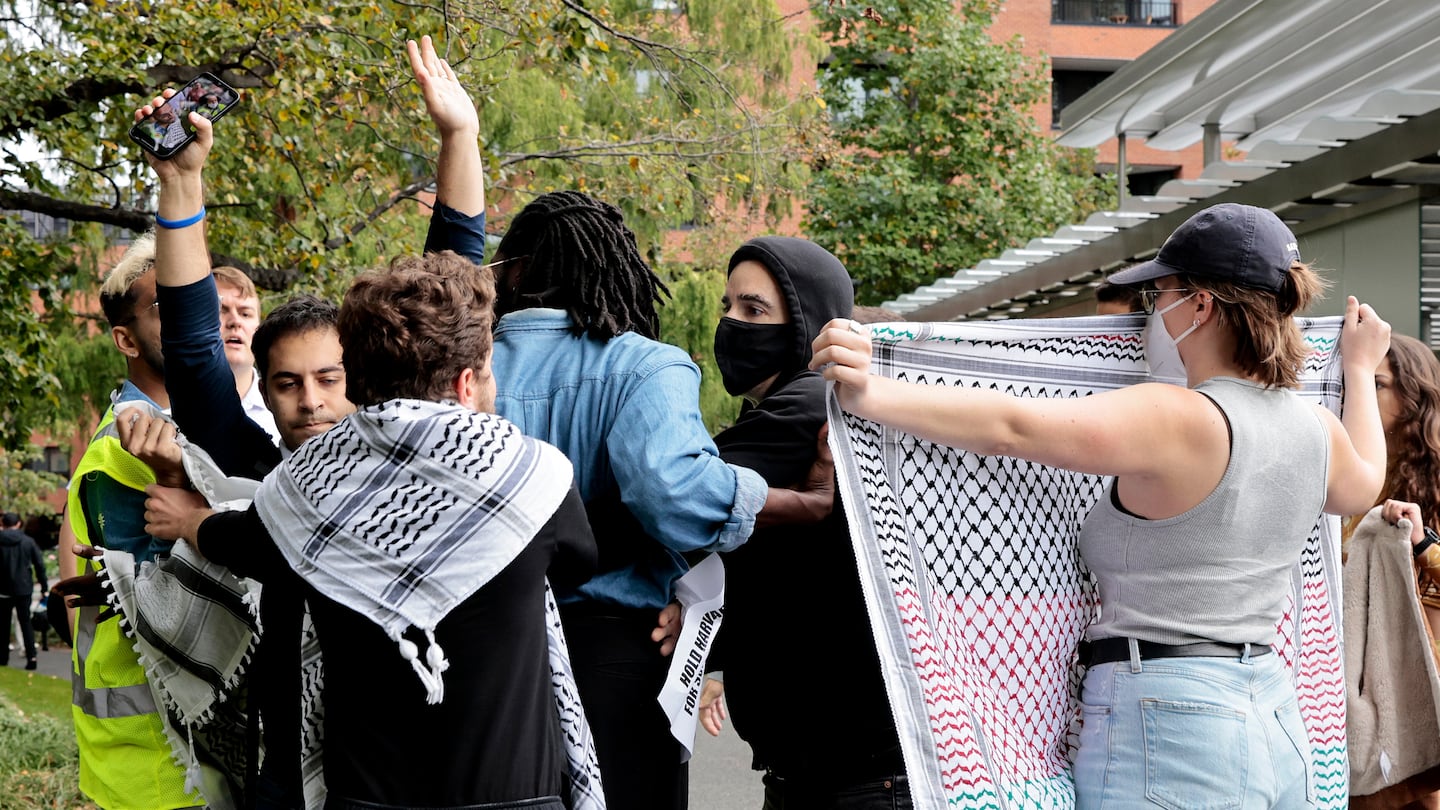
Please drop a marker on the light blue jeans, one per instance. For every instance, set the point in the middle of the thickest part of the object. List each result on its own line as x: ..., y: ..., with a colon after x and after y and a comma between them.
x: 1203, y: 733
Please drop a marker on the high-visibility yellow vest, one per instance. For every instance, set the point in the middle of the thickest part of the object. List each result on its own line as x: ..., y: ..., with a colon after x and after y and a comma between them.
x: 125, y: 760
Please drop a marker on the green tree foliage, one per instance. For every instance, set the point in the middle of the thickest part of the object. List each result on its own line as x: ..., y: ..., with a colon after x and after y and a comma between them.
x: 688, y: 320
x: 25, y: 489
x: 941, y: 163
x: 678, y: 115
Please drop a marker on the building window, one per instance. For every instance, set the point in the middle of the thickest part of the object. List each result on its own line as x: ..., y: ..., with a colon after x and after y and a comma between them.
x: 1115, y: 12
x: 1068, y: 85
x: 52, y: 460
x: 1145, y: 181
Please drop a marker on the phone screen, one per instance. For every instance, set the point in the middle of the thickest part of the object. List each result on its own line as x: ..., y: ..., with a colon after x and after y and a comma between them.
x: 167, y: 129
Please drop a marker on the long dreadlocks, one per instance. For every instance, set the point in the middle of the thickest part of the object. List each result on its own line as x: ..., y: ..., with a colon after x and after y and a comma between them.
x: 580, y: 257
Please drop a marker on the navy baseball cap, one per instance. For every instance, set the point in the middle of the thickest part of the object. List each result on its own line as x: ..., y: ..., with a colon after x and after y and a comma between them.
x: 1232, y: 242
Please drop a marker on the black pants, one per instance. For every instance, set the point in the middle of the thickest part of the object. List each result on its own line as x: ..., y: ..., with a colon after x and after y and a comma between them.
x: 881, y: 794
x: 619, y: 672
x: 21, y: 606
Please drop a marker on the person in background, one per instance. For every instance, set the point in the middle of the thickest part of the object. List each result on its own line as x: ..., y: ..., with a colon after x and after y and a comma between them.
x: 19, y: 555
x: 875, y: 315
x: 1216, y: 486
x: 1407, y: 388
x: 1116, y: 299
x: 779, y: 291
x: 239, y: 318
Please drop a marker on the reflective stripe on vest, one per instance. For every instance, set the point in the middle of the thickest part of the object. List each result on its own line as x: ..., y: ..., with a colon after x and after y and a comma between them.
x: 104, y: 703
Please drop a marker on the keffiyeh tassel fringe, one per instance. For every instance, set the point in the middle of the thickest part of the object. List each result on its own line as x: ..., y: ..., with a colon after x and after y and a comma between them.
x: 430, y: 671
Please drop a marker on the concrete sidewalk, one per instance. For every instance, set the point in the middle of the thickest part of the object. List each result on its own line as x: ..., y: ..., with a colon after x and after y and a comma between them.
x: 54, y: 662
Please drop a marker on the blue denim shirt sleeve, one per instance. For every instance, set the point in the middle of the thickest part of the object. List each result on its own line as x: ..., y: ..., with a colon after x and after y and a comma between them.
x: 751, y: 491
x: 452, y: 230
x: 669, y: 472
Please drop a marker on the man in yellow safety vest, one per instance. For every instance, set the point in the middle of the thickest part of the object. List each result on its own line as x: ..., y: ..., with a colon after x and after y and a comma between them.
x: 125, y: 757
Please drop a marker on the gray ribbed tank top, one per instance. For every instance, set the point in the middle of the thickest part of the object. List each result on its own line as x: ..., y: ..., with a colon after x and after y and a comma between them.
x: 1222, y: 570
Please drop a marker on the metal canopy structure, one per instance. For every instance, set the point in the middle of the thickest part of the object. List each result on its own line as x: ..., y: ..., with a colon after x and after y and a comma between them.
x: 1267, y: 70
x: 1335, y: 102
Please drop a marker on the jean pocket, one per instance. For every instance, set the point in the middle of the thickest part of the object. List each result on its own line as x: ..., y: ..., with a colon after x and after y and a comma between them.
x: 1289, y: 717
x: 1196, y: 755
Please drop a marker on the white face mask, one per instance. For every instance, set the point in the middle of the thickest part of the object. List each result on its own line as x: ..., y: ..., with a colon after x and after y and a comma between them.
x: 1162, y: 352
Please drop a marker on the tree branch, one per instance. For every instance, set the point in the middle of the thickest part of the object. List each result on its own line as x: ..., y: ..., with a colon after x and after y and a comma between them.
x: 128, y: 218
x: 91, y: 90
x: 405, y: 193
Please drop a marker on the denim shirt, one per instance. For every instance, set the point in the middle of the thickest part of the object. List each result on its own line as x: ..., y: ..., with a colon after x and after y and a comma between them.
x: 626, y: 413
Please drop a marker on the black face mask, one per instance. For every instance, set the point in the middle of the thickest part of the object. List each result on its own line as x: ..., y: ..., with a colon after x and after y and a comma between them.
x: 747, y: 353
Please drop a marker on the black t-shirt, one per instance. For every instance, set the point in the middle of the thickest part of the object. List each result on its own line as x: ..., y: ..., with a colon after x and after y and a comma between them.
x: 495, y: 737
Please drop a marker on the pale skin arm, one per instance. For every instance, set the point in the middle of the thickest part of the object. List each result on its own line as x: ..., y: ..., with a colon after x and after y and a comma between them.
x: 460, y: 172
x: 1168, y: 445
x: 1357, y: 442
x: 1392, y: 512
x: 1141, y: 430
x: 181, y: 254
x: 69, y: 563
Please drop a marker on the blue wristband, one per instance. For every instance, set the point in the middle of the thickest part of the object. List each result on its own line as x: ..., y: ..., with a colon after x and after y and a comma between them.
x: 176, y: 224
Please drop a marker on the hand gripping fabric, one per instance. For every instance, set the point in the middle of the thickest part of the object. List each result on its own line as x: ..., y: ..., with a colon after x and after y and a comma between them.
x: 976, y: 592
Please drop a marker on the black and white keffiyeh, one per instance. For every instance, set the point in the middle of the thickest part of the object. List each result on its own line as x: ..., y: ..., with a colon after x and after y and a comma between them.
x: 406, y: 508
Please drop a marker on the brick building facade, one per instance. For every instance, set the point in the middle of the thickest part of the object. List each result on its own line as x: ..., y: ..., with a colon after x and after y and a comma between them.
x: 1084, y: 42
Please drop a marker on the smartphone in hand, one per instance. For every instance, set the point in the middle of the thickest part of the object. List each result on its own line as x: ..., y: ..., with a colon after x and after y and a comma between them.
x: 166, y: 130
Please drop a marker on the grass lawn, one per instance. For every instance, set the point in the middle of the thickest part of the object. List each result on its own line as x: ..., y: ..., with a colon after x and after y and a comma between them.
x: 33, y: 693
x: 38, y: 764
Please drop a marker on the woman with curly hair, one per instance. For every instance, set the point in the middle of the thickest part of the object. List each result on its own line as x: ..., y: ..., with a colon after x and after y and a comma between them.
x: 1407, y: 389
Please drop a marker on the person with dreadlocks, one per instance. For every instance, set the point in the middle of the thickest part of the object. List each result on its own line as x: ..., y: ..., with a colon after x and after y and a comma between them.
x: 578, y: 364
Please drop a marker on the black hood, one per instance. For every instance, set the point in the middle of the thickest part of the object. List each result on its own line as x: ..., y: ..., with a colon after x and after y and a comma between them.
x: 826, y: 290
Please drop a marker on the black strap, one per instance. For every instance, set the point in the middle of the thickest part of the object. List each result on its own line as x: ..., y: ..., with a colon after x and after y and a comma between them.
x: 1109, y: 650
x: 1431, y: 538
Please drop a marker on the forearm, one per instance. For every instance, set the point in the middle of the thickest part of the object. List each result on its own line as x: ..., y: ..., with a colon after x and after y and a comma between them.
x: 181, y: 255
x: 460, y: 172
x: 239, y: 541
x: 1361, y: 419
x: 69, y: 563
x: 784, y: 506
x: 976, y: 420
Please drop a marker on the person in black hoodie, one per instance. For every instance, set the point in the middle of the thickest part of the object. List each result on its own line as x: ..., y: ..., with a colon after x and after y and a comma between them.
x: 784, y: 690
x: 18, y: 556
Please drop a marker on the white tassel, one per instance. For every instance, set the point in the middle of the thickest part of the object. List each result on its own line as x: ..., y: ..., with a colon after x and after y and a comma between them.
x: 192, y: 769
x: 429, y: 675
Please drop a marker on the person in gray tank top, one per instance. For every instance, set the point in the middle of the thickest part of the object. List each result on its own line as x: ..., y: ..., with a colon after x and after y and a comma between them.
x: 1218, y: 480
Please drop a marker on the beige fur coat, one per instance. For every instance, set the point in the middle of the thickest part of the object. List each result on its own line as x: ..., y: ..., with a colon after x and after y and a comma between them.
x: 1392, y: 687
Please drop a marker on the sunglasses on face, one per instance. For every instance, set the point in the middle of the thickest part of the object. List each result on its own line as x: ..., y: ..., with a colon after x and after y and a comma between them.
x: 1147, y: 298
